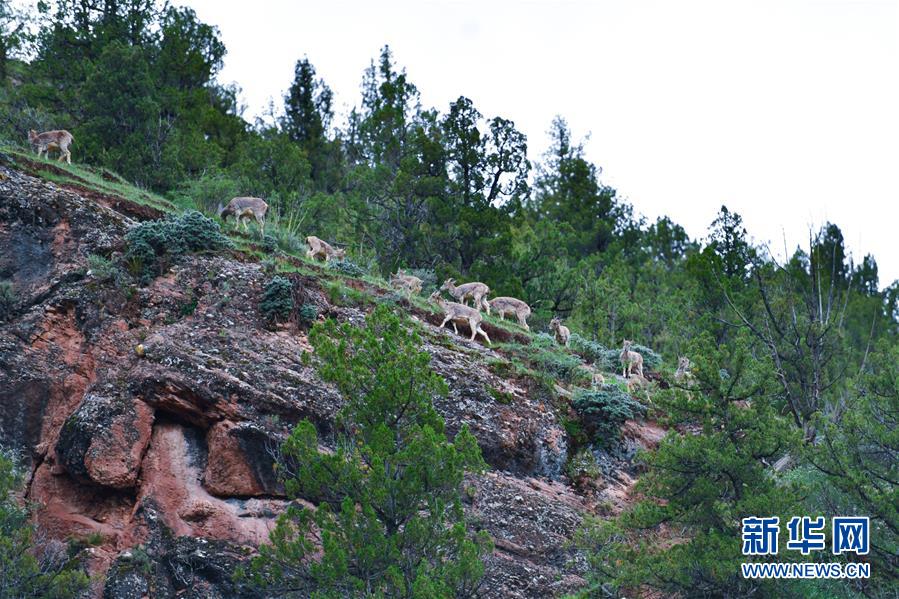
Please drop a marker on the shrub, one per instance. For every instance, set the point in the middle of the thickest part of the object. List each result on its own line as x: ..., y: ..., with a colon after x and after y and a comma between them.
x: 29, y: 568
x: 153, y: 245
x: 604, y: 410
x: 560, y: 365
x: 102, y: 268
x: 583, y: 469
x: 269, y: 243
x: 543, y: 340
x: 587, y: 349
x: 308, y: 312
x: 277, y: 299
x: 347, y: 267
x: 7, y: 300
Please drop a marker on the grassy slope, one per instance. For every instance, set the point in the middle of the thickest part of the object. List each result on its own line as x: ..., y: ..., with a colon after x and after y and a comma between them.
x: 526, y: 354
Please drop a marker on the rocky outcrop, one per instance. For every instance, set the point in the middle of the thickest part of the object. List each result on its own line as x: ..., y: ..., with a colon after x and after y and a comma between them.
x: 166, y: 451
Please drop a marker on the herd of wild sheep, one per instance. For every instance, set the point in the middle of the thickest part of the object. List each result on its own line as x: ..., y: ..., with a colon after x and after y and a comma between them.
x: 244, y: 209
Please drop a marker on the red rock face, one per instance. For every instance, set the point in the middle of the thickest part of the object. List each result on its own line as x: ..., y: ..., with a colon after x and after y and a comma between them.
x: 172, y: 477
x: 170, y: 448
x: 114, y: 460
x: 227, y: 471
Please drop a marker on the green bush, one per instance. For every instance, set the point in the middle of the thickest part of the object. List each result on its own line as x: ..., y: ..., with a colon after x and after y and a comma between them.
x: 27, y: 568
x: 604, y: 410
x: 152, y: 246
x: 277, y: 299
x: 102, y: 268
x: 587, y: 349
x: 347, y: 267
x: 543, y: 340
x: 583, y: 465
x: 562, y: 366
x: 7, y: 300
x: 308, y: 312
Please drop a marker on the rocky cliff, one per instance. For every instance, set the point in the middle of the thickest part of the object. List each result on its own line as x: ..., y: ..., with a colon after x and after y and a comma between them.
x: 149, y: 415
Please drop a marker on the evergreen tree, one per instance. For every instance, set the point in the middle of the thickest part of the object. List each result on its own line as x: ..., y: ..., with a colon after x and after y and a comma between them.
x: 389, y: 511
x: 568, y: 191
x: 29, y: 568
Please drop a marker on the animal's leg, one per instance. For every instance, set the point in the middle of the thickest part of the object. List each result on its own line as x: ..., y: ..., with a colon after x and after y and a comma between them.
x: 486, y: 305
x: 455, y: 328
x: 484, y: 334
x: 474, y: 328
x: 444, y: 322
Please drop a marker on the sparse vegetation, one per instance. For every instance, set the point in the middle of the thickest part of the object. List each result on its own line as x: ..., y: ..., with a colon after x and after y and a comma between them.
x: 277, y: 299
x: 604, y: 410
x: 346, y: 267
x: 7, y: 299
x: 31, y: 566
x: 152, y: 246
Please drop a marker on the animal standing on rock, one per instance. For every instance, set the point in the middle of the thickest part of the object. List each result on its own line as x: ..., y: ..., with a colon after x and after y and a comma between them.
x: 476, y: 291
x: 632, y: 361
x: 52, y: 140
x: 410, y: 283
x: 560, y: 331
x: 504, y: 305
x: 320, y: 249
x: 462, y: 313
x: 243, y: 209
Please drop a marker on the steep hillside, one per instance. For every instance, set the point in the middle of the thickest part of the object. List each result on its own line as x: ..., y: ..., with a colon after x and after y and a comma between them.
x: 150, y: 414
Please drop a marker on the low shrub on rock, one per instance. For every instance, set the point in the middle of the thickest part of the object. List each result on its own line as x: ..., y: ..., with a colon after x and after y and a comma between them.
x: 152, y: 246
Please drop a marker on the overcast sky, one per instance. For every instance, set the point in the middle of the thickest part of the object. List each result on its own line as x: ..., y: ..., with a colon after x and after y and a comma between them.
x: 785, y: 110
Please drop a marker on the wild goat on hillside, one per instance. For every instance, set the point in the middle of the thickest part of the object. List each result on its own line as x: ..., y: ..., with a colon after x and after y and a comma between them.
x: 632, y: 361
x: 683, y: 369
x: 461, y: 313
x: 510, y: 305
x: 319, y: 249
x: 476, y: 291
x: 410, y: 283
x: 560, y: 331
x: 52, y: 140
x: 244, y: 209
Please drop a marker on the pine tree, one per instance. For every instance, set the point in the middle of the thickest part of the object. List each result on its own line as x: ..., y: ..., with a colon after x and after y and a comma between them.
x: 389, y: 511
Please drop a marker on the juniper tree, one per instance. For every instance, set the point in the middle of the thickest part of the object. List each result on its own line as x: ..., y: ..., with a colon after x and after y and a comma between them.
x: 388, y: 521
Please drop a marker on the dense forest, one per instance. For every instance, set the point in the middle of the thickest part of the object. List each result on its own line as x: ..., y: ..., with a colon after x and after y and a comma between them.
x: 793, y: 400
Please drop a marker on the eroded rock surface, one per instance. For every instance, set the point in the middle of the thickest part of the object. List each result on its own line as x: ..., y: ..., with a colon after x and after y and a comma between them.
x: 166, y: 452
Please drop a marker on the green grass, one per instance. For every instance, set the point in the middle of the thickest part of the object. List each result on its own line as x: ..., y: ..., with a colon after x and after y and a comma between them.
x: 88, y: 177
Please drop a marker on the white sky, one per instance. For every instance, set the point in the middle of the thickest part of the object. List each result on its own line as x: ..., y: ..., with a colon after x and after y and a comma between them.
x: 785, y: 110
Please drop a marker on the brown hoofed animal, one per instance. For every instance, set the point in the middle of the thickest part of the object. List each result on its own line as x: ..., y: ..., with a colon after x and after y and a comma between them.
x: 510, y: 305
x: 561, y: 332
x: 476, y: 291
x: 597, y: 380
x: 410, y: 283
x: 683, y: 370
x: 458, y: 312
x: 52, y: 140
x: 320, y: 249
x: 637, y: 382
x: 243, y: 209
x: 632, y: 361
